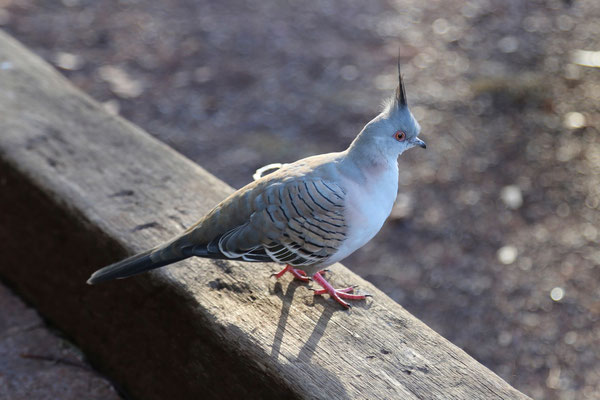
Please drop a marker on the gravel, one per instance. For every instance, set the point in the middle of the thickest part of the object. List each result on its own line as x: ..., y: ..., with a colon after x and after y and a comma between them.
x: 494, y: 242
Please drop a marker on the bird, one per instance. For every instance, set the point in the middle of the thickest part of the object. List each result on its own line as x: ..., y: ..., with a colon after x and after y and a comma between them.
x: 306, y: 215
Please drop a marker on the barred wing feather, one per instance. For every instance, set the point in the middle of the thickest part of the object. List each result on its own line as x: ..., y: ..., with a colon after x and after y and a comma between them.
x: 297, y: 222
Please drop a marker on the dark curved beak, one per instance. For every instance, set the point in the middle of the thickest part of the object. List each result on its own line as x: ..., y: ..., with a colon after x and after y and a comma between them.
x: 420, y: 143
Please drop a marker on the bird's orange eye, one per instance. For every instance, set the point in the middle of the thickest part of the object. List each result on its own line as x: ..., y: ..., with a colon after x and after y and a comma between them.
x: 400, y: 136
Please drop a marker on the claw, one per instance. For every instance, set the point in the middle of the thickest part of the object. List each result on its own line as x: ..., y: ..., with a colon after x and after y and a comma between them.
x: 336, y: 294
x: 298, y: 273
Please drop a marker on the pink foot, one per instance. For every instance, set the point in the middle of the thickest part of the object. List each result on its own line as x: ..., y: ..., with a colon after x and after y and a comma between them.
x: 298, y: 273
x: 336, y: 294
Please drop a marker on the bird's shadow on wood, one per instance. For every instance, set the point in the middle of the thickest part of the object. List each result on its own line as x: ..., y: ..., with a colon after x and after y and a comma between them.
x: 286, y: 302
x: 334, y: 385
x: 307, y: 351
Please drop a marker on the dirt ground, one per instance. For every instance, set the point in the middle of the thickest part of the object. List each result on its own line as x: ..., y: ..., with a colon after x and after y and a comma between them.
x: 494, y: 239
x: 36, y: 363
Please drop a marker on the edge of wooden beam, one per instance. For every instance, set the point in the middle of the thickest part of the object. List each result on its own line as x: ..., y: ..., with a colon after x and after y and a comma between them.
x: 81, y: 188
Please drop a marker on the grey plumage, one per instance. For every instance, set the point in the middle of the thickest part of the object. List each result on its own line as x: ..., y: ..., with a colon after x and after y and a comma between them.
x: 131, y: 266
x: 309, y: 214
x: 282, y: 218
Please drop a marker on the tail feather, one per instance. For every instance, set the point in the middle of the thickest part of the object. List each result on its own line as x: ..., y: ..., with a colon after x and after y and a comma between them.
x: 177, y: 249
x: 134, y: 265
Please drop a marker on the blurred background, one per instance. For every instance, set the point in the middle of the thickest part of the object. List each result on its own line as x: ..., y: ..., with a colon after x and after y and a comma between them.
x: 493, y: 241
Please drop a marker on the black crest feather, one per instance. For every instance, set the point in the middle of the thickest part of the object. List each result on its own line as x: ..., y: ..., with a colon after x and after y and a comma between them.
x: 400, y: 93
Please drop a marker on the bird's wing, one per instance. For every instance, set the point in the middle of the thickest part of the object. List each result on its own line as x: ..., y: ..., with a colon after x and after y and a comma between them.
x: 297, y: 222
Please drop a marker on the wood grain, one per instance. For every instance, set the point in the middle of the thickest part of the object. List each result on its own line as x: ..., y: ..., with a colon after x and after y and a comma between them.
x: 81, y: 188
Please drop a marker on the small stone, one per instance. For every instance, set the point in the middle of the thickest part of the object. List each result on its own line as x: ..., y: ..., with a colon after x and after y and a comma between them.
x: 507, y: 254
x: 120, y: 82
x: 68, y: 61
x: 553, y: 379
x: 512, y: 197
x: 574, y: 120
x: 557, y: 293
x: 112, y: 106
x: 586, y: 58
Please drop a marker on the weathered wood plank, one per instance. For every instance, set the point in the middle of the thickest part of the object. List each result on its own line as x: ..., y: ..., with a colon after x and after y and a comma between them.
x: 81, y: 188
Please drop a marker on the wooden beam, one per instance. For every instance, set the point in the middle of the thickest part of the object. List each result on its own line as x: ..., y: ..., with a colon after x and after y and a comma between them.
x: 80, y: 188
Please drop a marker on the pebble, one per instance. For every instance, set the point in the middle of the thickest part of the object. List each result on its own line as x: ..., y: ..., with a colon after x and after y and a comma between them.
x: 557, y: 293
x: 507, y: 254
x: 120, y: 82
x: 511, y: 197
x: 574, y: 120
x: 68, y: 61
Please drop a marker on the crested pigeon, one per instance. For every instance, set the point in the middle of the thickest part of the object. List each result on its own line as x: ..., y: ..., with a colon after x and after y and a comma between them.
x: 306, y: 215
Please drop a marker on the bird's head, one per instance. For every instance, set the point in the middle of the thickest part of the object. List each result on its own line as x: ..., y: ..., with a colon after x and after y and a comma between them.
x: 395, y: 129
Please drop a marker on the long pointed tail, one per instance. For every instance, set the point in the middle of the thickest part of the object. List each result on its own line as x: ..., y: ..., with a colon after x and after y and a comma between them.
x: 139, y: 263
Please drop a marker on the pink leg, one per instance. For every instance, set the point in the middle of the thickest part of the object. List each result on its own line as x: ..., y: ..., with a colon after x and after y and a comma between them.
x: 336, y: 294
x: 298, y: 273
x: 324, y: 291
